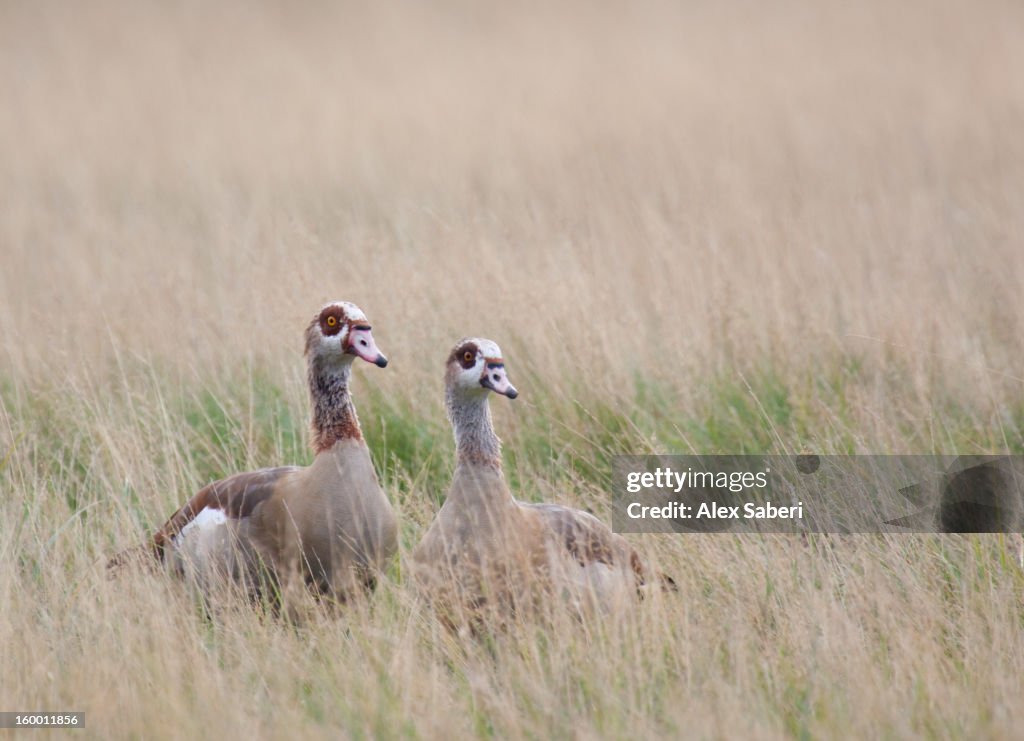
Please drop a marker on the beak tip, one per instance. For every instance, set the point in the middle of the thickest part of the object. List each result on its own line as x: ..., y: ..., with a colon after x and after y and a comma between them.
x: 512, y: 393
x: 381, y: 362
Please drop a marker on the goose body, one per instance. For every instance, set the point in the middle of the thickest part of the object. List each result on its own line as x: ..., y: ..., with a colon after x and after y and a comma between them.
x: 485, y: 550
x: 328, y: 524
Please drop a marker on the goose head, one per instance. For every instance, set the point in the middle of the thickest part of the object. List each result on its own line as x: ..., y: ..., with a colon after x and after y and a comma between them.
x: 339, y: 334
x: 475, y: 368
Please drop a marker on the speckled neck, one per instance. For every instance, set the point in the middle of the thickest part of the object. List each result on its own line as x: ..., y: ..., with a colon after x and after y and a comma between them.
x: 334, y: 414
x: 475, y: 441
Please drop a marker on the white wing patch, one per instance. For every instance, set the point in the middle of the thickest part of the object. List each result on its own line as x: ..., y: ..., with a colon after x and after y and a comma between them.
x: 605, y: 577
x: 601, y: 586
x: 206, y: 521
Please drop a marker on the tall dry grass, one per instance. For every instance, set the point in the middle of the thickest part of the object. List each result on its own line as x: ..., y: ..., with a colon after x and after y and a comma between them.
x: 692, y: 227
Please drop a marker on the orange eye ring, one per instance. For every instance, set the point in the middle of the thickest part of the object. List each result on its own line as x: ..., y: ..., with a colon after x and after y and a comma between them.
x: 467, y: 356
x: 332, y: 321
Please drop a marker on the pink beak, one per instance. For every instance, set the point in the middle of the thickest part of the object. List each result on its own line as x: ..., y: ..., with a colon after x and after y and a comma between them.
x: 361, y: 344
x: 496, y: 379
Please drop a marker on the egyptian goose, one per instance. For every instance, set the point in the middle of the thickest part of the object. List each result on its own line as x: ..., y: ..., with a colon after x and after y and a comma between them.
x: 329, y: 523
x: 487, y: 551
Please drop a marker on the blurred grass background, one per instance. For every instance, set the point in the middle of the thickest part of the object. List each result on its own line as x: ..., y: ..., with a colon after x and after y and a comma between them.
x: 692, y: 227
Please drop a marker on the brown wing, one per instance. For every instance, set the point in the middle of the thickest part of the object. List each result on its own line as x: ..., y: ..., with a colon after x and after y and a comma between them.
x: 237, y: 497
x: 588, y: 539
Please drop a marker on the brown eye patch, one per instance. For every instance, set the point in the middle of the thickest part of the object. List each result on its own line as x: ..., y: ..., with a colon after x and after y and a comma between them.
x: 465, y: 355
x: 331, y: 320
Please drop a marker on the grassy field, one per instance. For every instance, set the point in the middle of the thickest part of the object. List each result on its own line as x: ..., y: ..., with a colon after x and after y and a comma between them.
x: 692, y: 227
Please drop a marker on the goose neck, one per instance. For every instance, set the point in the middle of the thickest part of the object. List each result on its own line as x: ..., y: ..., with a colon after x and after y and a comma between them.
x: 334, y: 413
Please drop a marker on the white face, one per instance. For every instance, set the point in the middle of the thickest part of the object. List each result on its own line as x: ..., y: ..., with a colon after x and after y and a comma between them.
x: 479, y: 366
x: 342, y: 330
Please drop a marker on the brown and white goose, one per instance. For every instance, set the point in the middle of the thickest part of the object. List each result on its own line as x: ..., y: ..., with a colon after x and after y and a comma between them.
x: 486, y: 551
x: 329, y: 523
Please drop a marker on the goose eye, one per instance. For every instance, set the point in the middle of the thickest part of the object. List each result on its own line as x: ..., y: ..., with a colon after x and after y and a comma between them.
x: 467, y: 357
x: 332, y: 321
